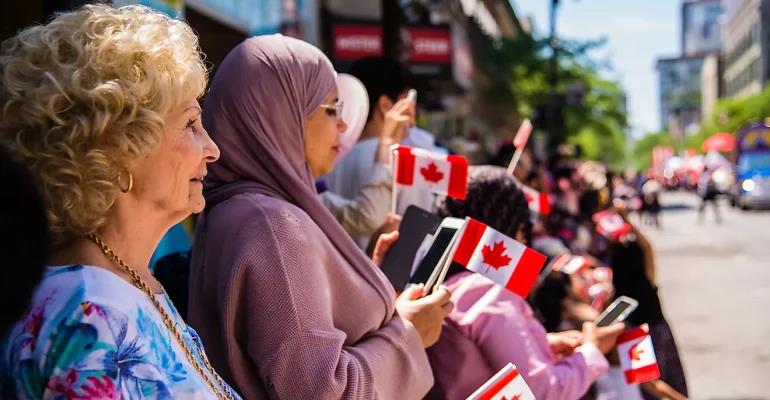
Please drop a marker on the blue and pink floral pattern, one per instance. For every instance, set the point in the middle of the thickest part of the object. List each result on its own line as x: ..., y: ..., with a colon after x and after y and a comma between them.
x: 90, y: 335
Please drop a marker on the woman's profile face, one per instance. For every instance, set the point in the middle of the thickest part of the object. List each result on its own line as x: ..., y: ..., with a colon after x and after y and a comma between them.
x: 170, y: 176
x: 322, y: 135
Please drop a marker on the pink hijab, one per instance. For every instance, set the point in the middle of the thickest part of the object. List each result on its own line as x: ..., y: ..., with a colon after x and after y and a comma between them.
x: 260, y: 97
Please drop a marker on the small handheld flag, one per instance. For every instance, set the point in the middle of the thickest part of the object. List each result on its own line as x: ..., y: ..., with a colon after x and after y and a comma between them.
x: 637, y: 356
x: 519, y: 142
x: 538, y: 202
x: 522, y: 135
x: 503, y: 260
x: 439, y: 173
x: 507, y: 384
x: 611, y: 225
x: 570, y: 264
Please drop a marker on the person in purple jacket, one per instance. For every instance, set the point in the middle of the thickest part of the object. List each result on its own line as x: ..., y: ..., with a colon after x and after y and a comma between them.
x: 491, y: 326
x: 291, y: 307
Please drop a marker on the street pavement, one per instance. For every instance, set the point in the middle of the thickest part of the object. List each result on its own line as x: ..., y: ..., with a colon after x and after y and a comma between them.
x: 714, y: 282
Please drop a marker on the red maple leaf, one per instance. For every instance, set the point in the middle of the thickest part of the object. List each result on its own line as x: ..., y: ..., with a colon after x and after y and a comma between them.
x: 635, y: 353
x: 495, y: 256
x: 517, y: 397
x: 431, y: 173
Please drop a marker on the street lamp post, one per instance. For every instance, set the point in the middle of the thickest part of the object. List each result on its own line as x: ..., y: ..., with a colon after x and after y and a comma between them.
x: 554, y: 110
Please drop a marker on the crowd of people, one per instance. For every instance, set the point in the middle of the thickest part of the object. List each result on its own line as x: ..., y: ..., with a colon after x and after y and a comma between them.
x: 287, y: 164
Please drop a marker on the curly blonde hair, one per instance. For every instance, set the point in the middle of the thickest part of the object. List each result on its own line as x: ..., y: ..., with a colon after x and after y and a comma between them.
x: 85, y: 94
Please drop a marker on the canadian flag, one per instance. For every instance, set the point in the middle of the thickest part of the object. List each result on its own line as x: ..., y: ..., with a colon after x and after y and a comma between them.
x: 522, y: 135
x: 503, y: 260
x: 439, y: 173
x: 611, y: 225
x: 637, y: 356
x: 507, y: 384
x: 570, y: 264
x: 538, y: 202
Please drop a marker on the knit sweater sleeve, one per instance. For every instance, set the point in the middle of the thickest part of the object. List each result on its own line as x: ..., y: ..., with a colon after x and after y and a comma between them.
x: 286, y: 284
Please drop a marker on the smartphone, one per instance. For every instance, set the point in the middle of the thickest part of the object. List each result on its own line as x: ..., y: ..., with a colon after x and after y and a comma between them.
x: 442, y: 239
x: 618, y: 311
x: 412, y: 95
x: 416, y: 225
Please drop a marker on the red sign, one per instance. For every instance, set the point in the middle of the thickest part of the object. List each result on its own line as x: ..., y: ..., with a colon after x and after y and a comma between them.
x: 432, y: 45
x: 352, y: 42
x: 428, y: 45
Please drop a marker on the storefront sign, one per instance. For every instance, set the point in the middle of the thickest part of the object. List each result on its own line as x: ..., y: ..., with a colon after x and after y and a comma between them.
x: 352, y: 42
x: 428, y: 45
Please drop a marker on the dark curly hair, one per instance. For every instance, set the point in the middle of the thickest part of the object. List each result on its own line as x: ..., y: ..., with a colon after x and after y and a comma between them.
x: 495, y: 199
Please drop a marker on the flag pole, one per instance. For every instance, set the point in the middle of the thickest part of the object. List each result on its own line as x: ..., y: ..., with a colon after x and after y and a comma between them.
x: 394, y: 171
x: 519, y: 142
x: 514, y: 160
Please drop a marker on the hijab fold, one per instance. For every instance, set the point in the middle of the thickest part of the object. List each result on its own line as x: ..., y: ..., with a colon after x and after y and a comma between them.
x: 261, y: 95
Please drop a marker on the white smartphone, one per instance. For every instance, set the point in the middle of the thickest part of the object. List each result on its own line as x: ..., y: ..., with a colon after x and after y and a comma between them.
x: 412, y: 95
x: 618, y: 311
x: 428, y: 268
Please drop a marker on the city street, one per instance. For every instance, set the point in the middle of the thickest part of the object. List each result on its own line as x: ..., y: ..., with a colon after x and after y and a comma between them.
x: 715, y: 287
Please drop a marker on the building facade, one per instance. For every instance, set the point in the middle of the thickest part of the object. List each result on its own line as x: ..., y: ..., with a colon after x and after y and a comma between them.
x: 746, y: 37
x: 711, y: 83
x: 680, y: 79
x: 701, y: 33
x: 679, y: 83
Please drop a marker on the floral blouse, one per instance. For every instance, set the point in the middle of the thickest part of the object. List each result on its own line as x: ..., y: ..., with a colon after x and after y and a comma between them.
x: 91, y: 335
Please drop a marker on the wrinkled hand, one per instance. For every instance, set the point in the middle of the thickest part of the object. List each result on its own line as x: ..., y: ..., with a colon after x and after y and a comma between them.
x: 563, y: 344
x: 604, y: 338
x: 425, y: 313
x: 377, y: 250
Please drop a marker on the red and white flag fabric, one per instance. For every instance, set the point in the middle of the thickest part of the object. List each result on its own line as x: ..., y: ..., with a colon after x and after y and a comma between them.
x: 611, y: 225
x: 538, y: 202
x: 503, y: 260
x: 522, y: 135
x: 507, y: 384
x: 439, y: 173
x: 637, y: 356
x: 570, y: 264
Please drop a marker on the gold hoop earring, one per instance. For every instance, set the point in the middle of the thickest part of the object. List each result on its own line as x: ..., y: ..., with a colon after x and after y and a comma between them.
x: 130, y: 186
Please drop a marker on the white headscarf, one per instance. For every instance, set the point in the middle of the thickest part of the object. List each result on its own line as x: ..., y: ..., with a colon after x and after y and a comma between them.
x: 355, y: 111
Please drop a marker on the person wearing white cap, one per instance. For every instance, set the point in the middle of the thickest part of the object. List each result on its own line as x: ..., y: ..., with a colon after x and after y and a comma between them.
x: 390, y: 120
x: 362, y: 182
x: 362, y: 206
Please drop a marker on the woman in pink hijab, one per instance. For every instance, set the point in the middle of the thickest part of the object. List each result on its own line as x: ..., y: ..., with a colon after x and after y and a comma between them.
x: 286, y: 303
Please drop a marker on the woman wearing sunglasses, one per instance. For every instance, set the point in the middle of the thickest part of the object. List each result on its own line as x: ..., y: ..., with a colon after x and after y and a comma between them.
x: 288, y: 304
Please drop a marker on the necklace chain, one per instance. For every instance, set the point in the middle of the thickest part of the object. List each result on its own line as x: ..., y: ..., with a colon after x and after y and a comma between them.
x: 222, y: 391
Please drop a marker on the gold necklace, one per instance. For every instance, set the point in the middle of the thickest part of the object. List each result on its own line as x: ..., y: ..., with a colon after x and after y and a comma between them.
x: 222, y: 392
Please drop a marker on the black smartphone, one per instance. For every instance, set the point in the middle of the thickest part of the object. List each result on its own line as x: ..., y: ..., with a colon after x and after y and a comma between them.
x: 442, y: 238
x: 416, y: 224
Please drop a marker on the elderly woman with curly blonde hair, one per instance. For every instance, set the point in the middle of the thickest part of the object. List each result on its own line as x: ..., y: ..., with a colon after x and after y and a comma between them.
x: 101, y: 103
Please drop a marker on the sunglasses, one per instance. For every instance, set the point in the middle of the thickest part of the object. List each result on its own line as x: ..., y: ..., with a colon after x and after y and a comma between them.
x: 333, y: 110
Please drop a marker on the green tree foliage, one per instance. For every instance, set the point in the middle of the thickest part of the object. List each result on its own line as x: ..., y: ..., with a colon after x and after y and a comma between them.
x: 598, y: 123
x: 730, y: 115
x: 517, y: 86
